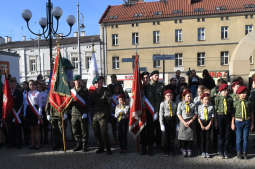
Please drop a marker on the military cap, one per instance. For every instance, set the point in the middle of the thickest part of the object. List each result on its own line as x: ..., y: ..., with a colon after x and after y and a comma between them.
x: 222, y: 87
x: 77, y: 77
x: 154, y: 72
x: 145, y: 73
x: 95, y: 80
x: 167, y: 91
x: 13, y: 80
x: 241, y: 90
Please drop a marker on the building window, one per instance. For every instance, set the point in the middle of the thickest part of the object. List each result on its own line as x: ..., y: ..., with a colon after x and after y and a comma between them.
x: 180, y: 21
x: 251, y: 16
x: 175, y: 21
x: 136, y: 24
x: 178, y: 35
x: 222, y: 18
x: 198, y: 19
x: 116, y: 26
x: 156, y: 63
x: 201, y: 59
x: 158, y: 22
x: 75, y: 62
x: 251, y: 60
x: 224, y: 58
x: 227, y: 17
x: 115, y: 62
x: 88, y: 59
x: 203, y: 19
x: 201, y: 33
x: 132, y: 25
x: 246, y: 16
x: 32, y: 64
x: 248, y: 28
x: 178, y: 59
x: 115, y: 39
x: 224, y: 32
x: 156, y: 36
x: 135, y: 38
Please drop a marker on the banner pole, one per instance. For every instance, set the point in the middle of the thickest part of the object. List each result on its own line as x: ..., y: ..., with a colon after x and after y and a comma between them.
x: 63, y: 131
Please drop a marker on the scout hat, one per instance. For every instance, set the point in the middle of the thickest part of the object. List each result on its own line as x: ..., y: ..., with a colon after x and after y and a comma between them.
x: 241, y: 89
x: 185, y: 92
x: 222, y: 87
x: 235, y: 83
x: 167, y: 91
x: 205, y: 95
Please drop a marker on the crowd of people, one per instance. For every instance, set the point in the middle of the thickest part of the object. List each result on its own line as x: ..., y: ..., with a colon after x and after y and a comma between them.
x: 216, y: 117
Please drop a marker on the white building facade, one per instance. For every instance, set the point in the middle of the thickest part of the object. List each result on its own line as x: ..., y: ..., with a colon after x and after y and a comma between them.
x: 34, y: 55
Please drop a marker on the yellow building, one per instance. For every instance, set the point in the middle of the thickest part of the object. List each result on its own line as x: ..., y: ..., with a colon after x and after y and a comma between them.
x: 201, y: 34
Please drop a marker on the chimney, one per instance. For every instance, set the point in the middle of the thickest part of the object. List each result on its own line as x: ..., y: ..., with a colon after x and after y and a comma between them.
x: 75, y: 34
x: 24, y: 38
x: 83, y: 33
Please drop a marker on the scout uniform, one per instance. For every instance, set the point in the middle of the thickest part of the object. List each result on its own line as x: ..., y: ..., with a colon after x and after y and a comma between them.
x: 223, y: 112
x: 153, y: 91
x: 242, y: 119
x: 167, y: 120
x: 79, y: 119
x: 121, y: 114
x: 186, y: 134
x: 33, y: 115
x: 42, y: 102
x: 205, y: 116
x: 100, y: 107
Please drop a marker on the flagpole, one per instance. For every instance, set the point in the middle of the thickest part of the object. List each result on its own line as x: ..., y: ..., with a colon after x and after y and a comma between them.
x: 63, y: 131
x: 138, y: 137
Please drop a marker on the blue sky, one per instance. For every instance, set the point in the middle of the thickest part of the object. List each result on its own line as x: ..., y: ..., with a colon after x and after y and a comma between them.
x: 12, y: 23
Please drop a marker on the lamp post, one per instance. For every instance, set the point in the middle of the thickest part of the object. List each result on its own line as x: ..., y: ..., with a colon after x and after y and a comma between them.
x: 46, y: 23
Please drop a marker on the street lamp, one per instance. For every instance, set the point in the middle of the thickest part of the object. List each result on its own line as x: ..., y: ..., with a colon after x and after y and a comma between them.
x: 46, y: 23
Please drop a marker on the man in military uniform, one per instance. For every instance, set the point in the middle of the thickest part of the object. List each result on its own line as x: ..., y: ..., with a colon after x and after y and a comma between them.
x: 79, y: 115
x: 153, y: 91
x: 100, y: 101
x: 54, y: 117
x: 14, y: 125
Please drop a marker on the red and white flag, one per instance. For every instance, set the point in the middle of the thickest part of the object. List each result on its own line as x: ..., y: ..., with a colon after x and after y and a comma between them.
x: 7, y: 99
x: 137, y: 119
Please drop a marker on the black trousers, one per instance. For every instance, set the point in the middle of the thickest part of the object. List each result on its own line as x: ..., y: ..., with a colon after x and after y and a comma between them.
x: 157, y: 133
x: 122, y: 132
x: 146, y: 135
x: 170, y: 133
x: 205, y: 137
x: 113, y: 122
x: 186, y: 145
x: 14, y: 134
x: 224, y: 123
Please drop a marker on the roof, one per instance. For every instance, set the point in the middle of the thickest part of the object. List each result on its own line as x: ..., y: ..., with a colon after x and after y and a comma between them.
x: 65, y: 41
x: 174, y: 8
x: 9, y: 53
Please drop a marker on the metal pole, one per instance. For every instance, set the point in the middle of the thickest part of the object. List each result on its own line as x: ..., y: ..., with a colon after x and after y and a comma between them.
x: 39, y: 54
x: 79, y: 46
x: 49, y: 9
x: 164, y: 71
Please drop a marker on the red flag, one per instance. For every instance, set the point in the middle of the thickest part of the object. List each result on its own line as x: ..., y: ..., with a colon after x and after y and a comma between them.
x: 60, y: 95
x: 137, y: 119
x: 7, y: 99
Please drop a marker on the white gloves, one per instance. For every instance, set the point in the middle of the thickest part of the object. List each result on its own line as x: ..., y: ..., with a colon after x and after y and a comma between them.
x: 162, y: 128
x: 48, y: 117
x: 65, y: 116
x: 84, y: 116
x: 155, y: 117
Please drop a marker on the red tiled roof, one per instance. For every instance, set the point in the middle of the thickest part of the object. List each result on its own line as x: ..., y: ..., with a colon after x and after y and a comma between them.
x: 146, y: 10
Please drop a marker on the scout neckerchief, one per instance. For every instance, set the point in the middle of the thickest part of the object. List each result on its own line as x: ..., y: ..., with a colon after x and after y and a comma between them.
x: 244, y: 113
x: 170, y: 109
x: 225, y: 106
x: 77, y: 97
x: 187, y: 109
x: 205, y: 113
x: 121, y: 111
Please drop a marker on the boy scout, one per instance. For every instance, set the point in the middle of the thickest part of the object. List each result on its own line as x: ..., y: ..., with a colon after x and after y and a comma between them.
x: 223, y: 111
x: 242, y: 121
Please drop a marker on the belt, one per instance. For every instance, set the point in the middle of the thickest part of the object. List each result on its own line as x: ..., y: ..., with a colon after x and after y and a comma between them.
x: 237, y: 119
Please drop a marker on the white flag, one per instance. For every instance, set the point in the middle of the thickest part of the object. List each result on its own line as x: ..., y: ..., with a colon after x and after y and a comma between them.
x: 93, y: 71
